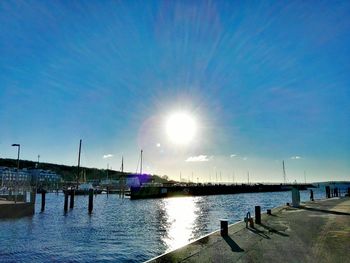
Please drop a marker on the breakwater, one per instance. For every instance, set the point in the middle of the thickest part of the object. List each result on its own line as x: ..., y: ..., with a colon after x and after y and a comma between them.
x: 160, y: 191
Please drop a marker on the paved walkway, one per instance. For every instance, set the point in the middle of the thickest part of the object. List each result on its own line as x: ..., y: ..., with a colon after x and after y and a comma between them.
x: 316, y: 232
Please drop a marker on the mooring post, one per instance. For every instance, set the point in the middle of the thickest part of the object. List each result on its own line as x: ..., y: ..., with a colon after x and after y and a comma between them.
x: 224, y: 227
x: 107, y: 191
x: 91, y: 200
x: 257, y: 214
x: 269, y: 212
x: 311, y: 195
x: 43, y: 193
x: 71, y: 204
x: 65, y: 201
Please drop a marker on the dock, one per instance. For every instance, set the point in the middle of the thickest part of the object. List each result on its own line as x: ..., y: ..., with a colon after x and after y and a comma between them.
x: 317, y: 231
x: 11, y: 209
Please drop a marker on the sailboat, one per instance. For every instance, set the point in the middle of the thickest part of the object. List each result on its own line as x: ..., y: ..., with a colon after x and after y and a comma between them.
x: 82, y: 188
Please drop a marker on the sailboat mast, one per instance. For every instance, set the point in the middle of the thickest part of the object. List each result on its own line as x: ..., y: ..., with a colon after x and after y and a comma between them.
x: 141, y: 162
x: 122, y: 164
x: 78, y: 164
x: 284, y: 172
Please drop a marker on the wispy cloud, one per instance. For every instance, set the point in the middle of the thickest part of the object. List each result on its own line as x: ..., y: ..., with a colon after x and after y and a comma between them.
x: 106, y: 156
x: 199, y: 158
x: 233, y: 155
x: 245, y: 158
x: 295, y: 157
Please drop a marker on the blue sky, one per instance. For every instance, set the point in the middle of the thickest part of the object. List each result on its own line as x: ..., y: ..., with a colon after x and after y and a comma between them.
x: 265, y: 82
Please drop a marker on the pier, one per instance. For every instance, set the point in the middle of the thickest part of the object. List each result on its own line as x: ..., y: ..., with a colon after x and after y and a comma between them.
x: 316, y: 231
x: 23, y: 206
x: 164, y: 190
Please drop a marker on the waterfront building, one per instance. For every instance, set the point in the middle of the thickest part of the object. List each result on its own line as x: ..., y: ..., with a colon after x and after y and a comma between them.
x: 44, y: 176
x: 9, y: 175
x: 12, y: 174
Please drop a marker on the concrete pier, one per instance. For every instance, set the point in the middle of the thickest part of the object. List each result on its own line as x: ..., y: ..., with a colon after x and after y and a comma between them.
x: 316, y: 231
x: 12, y: 209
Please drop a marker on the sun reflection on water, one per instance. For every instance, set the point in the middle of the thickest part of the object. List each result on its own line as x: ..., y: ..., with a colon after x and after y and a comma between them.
x: 180, y: 218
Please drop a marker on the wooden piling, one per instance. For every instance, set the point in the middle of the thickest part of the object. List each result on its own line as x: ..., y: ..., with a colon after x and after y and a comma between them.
x: 43, y: 194
x: 269, y: 212
x: 91, y: 200
x: 257, y: 214
x: 71, y: 204
x: 65, y: 202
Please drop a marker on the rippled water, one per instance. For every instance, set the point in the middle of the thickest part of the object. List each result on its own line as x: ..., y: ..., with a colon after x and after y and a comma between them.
x: 123, y: 230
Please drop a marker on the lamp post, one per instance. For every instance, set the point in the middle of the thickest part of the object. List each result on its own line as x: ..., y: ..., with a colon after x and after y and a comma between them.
x: 16, y: 182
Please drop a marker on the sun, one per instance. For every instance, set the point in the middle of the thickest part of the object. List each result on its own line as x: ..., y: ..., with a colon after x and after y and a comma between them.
x: 181, y: 128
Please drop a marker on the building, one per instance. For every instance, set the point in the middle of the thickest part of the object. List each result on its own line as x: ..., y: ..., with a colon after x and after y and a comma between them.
x: 41, y: 176
x: 28, y: 176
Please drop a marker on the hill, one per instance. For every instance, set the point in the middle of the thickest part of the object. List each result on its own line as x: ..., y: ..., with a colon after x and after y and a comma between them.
x: 69, y: 173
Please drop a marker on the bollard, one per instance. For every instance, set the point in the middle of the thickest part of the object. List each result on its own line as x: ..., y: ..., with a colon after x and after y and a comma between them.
x: 71, y: 204
x: 269, y: 212
x: 224, y: 227
x: 65, y: 202
x: 287, y: 204
x: 257, y: 214
x: 91, y: 200
x: 248, y: 219
x: 328, y: 192
x: 43, y: 193
x: 311, y: 195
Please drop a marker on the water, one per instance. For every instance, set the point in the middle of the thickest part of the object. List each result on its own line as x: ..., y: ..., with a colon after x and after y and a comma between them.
x: 121, y: 230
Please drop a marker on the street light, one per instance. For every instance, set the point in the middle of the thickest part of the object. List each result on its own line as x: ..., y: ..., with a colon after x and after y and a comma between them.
x: 18, y: 151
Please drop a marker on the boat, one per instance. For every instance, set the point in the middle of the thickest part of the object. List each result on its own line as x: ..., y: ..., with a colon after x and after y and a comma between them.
x: 82, y: 188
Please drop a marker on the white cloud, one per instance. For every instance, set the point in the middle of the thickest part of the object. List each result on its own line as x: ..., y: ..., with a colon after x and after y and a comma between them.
x: 106, y: 156
x: 199, y: 158
x: 295, y: 157
x: 245, y: 158
x: 158, y: 145
x: 233, y: 155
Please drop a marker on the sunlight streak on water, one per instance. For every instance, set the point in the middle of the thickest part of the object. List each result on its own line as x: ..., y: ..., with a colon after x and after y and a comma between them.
x: 181, y: 217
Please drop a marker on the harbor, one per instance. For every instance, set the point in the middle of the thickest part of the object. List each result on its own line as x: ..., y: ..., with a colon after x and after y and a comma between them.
x: 117, y: 228
x: 174, y: 131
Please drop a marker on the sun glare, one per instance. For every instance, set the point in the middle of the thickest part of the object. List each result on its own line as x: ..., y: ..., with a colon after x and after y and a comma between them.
x: 181, y: 128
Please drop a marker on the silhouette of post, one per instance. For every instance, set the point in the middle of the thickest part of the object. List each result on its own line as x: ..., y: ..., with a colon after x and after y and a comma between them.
x: 224, y: 227
x: 65, y: 202
x: 311, y: 195
x: 43, y: 193
x: 71, y: 204
x: 91, y: 200
x: 257, y: 214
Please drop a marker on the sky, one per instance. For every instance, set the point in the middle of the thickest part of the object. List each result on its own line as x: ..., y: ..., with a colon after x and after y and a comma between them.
x: 260, y: 82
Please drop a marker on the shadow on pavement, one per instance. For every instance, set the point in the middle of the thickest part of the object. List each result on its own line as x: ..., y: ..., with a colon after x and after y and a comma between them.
x: 233, y: 244
x: 272, y: 230
x: 325, y: 211
x: 259, y: 232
